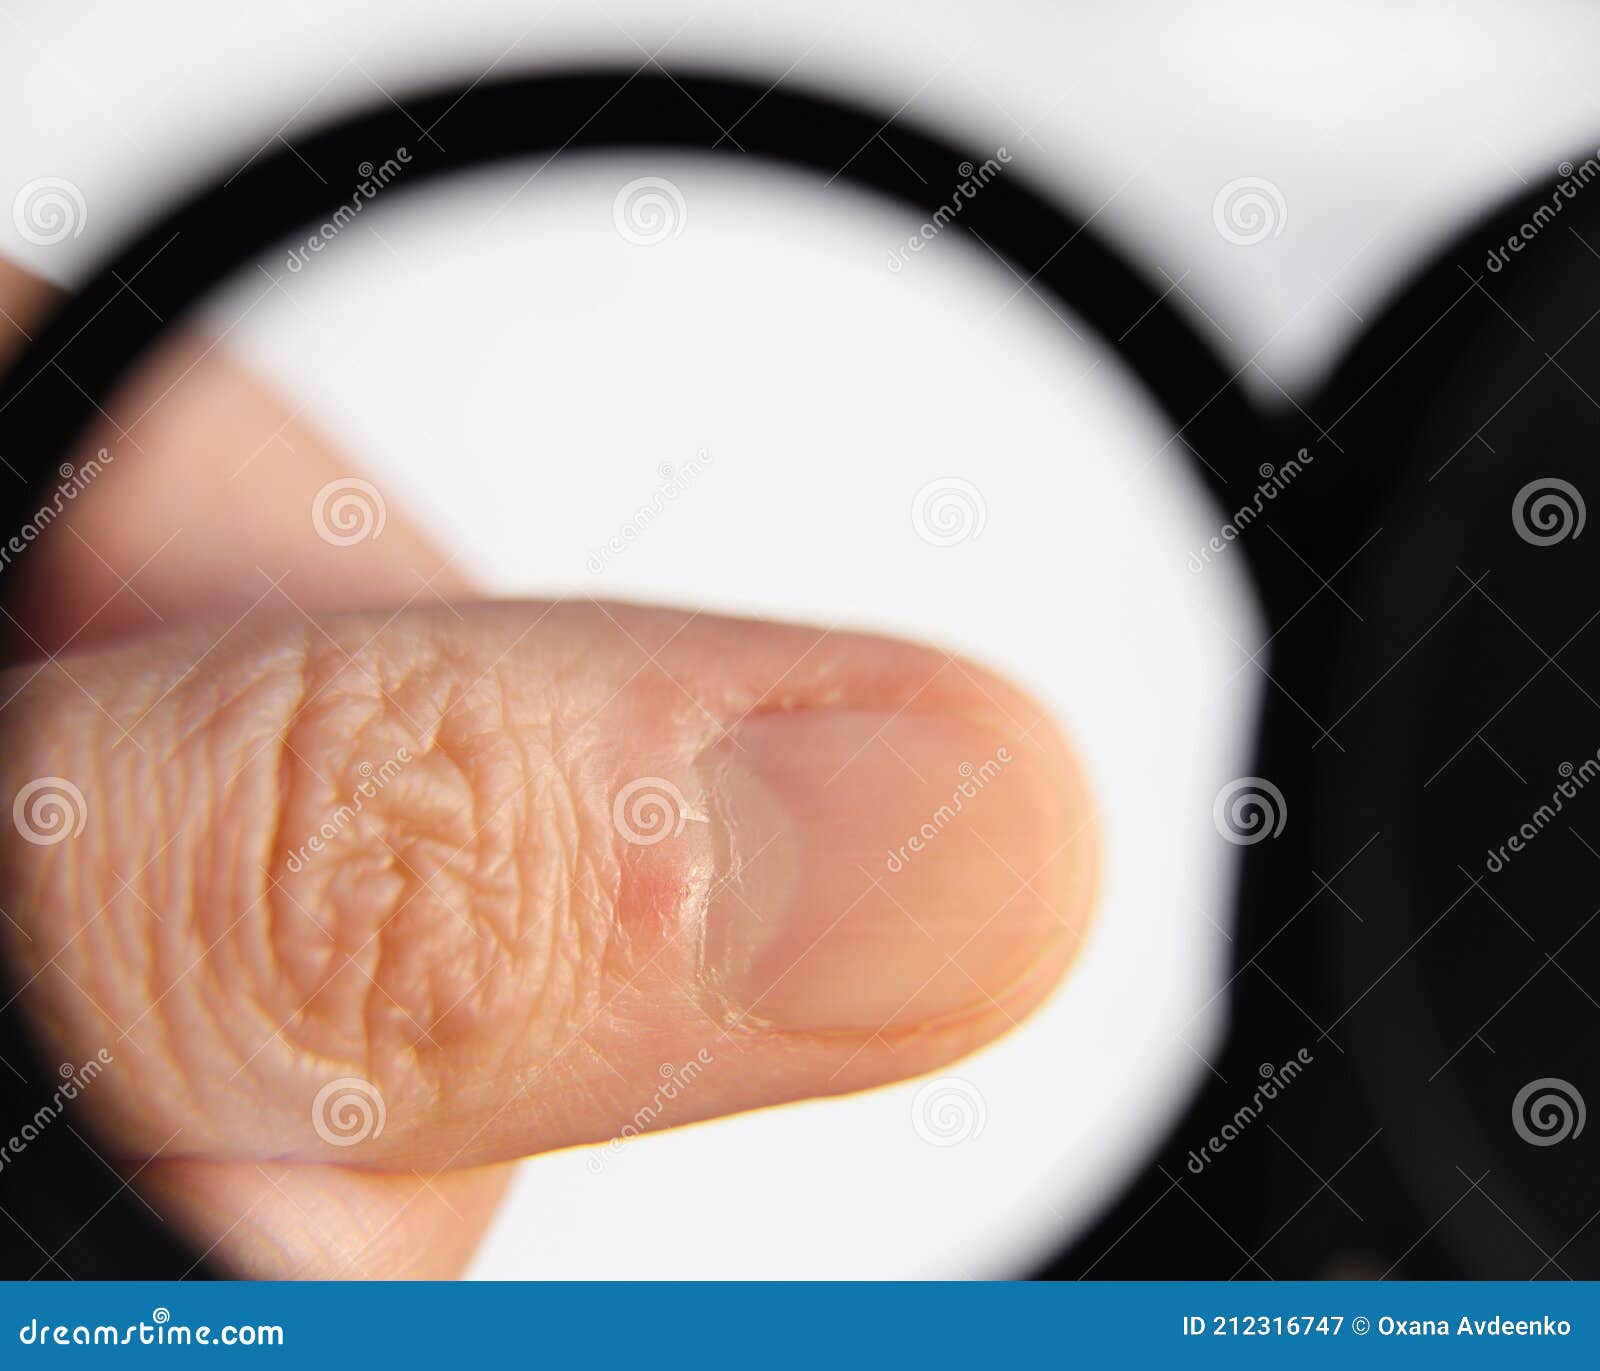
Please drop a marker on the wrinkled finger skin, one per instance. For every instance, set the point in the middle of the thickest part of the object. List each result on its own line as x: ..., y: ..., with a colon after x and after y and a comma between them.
x: 201, y: 507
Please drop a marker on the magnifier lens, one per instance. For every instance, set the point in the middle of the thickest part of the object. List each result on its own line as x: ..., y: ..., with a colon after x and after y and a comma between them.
x: 719, y: 383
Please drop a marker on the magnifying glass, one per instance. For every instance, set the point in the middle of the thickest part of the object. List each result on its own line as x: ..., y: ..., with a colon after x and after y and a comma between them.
x: 1308, y: 502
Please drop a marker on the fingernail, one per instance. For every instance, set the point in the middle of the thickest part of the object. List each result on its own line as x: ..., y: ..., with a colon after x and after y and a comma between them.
x: 878, y: 871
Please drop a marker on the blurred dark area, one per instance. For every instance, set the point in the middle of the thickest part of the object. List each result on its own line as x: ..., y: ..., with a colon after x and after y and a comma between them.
x: 1435, y: 666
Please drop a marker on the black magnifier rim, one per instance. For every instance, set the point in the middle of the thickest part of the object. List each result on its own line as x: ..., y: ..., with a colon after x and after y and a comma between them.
x: 57, y: 385
x: 61, y: 382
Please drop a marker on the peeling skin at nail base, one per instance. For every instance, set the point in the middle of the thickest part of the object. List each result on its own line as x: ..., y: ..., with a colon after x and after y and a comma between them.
x: 728, y: 872
x: 666, y: 888
x: 767, y: 901
x: 738, y: 840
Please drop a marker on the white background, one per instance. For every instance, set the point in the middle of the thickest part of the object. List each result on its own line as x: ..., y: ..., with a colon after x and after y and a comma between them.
x: 514, y: 372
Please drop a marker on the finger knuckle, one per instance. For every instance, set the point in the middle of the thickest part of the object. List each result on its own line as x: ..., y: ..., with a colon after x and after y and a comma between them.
x: 433, y: 887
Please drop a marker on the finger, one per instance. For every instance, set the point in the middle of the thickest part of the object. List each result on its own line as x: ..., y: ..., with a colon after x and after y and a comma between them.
x: 202, y: 492
x: 24, y: 299
x: 478, y: 885
x: 204, y: 499
x: 278, y: 1221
